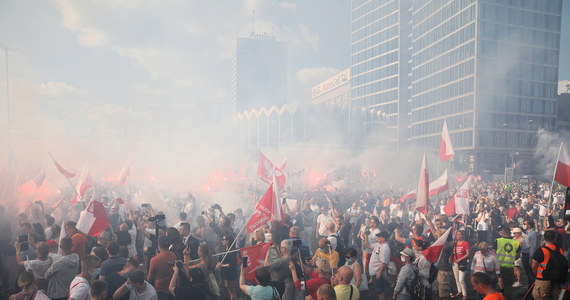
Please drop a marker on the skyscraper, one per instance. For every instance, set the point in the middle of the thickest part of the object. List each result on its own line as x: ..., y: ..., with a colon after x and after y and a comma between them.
x: 487, y: 67
x: 259, y: 73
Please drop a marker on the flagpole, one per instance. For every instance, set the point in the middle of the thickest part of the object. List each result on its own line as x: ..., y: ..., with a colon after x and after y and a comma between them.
x: 68, y: 181
x: 436, y: 188
x: 554, y: 175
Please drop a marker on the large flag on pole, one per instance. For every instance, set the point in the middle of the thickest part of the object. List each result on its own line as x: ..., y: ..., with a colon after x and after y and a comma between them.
x: 256, y: 257
x: 445, y: 147
x: 83, y: 186
x: 266, y: 210
x: 125, y: 172
x: 266, y: 170
x: 433, y: 252
x: 61, y: 170
x: 422, y: 202
x: 39, y: 178
x: 435, y: 187
x: 459, y: 204
x: 93, y: 220
x: 277, y: 212
x: 562, y: 174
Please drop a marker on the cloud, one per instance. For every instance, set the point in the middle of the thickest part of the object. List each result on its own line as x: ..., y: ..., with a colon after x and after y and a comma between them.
x: 72, y: 20
x: 315, y: 75
x: 56, y: 89
x: 309, y: 37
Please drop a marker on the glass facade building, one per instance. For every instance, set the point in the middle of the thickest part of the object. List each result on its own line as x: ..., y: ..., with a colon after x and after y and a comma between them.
x: 487, y: 67
x: 259, y: 73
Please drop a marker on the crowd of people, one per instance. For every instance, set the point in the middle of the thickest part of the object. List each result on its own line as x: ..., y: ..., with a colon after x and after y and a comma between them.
x: 513, y: 244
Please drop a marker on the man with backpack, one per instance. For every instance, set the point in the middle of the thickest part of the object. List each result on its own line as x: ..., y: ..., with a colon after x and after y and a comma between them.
x: 550, y: 267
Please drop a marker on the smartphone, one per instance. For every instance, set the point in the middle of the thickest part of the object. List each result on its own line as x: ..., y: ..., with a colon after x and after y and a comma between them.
x: 244, y: 261
x: 23, y: 238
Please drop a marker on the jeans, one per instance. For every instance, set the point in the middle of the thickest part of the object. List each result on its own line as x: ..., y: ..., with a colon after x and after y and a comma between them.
x: 459, y: 279
x: 528, y: 268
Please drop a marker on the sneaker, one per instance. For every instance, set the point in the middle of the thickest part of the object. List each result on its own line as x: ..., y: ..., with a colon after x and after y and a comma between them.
x: 517, y: 284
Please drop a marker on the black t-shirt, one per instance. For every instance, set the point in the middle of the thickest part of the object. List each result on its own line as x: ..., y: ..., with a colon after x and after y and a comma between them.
x: 189, y: 292
x: 115, y: 281
x: 112, y: 265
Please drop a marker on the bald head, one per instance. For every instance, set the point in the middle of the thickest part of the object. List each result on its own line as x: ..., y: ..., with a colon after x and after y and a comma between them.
x: 331, y: 227
x: 345, y: 275
x: 324, y: 244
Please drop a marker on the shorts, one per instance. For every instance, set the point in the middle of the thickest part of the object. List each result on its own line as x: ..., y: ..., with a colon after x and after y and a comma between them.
x: 518, y: 263
x: 378, y: 285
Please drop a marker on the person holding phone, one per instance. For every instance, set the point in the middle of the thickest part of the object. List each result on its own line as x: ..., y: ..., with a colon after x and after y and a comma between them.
x: 262, y: 291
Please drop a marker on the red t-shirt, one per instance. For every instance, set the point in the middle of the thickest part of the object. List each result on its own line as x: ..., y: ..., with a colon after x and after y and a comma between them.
x: 161, y: 271
x: 511, y: 213
x: 313, y: 284
x: 460, y: 250
x: 495, y: 296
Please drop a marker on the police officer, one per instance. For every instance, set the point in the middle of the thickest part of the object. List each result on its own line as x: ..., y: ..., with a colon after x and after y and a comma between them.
x: 508, y: 250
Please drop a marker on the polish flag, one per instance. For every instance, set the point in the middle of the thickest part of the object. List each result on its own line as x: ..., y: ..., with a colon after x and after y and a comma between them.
x: 93, y: 220
x: 266, y: 169
x: 61, y: 170
x: 86, y: 184
x: 422, y: 202
x: 439, y: 185
x: 122, y: 179
x: 256, y: 258
x: 562, y: 173
x: 39, y: 179
x: 445, y: 147
x: 436, y: 187
x: 433, y: 252
x: 266, y: 210
x: 459, y: 204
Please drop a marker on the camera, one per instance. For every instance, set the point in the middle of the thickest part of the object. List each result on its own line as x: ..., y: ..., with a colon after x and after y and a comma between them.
x: 178, y: 263
x: 157, y: 218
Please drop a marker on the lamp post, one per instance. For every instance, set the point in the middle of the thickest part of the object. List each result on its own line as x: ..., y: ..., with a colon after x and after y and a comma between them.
x: 8, y: 121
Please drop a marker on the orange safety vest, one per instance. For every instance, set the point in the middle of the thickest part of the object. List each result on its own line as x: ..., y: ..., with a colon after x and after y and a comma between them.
x: 542, y: 265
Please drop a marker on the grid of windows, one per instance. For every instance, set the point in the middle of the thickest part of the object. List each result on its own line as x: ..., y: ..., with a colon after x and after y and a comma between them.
x: 424, y: 25
x: 375, y: 27
x: 420, y: 56
x: 519, y: 17
x: 450, y: 58
x: 547, y: 6
x: 443, y: 77
x: 446, y: 28
x: 374, y: 10
x: 381, y: 85
x: 455, y: 89
x: 374, y: 75
x: 450, y: 107
x: 541, y: 56
x: 375, y: 63
x: 383, y: 47
x: 378, y: 97
x: 375, y: 39
x: 525, y: 36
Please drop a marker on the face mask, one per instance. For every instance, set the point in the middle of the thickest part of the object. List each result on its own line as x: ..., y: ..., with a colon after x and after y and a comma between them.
x: 403, y: 258
x: 130, y: 287
x: 525, y: 227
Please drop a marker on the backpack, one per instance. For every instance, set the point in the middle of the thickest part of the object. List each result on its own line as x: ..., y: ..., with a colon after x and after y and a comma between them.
x: 557, y: 267
x: 417, y: 290
x: 339, y: 244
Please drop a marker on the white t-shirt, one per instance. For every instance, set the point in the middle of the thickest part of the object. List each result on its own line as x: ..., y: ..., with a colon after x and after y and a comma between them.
x: 542, y: 210
x: 323, y: 221
x: 372, y: 239
x: 38, y: 267
x: 79, y: 289
x: 483, y: 224
x: 148, y: 294
x: 380, y: 255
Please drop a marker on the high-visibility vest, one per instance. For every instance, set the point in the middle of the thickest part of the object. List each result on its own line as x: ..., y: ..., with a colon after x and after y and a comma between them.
x: 507, y: 252
x: 542, y: 265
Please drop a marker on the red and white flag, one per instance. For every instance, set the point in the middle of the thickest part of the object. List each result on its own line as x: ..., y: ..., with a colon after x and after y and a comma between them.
x: 433, y: 252
x: 459, y: 204
x: 62, y: 234
x: 61, y: 170
x: 122, y: 179
x: 85, y: 185
x: 445, y: 147
x: 256, y: 258
x: 277, y: 212
x: 436, y: 187
x: 266, y: 210
x: 439, y: 185
x: 422, y: 196
x: 266, y: 170
x: 93, y: 220
x: 562, y: 174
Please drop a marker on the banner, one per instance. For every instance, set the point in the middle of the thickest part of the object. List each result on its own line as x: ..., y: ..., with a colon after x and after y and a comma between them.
x: 256, y: 258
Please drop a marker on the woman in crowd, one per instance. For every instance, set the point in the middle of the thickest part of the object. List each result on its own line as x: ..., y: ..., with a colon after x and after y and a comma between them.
x: 228, y: 267
x: 460, y: 256
x: 402, y: 290
x: 359, y: 278
x: 176, y: 245
x: 30, y: 291
x: 207, y: 266
x: 263, y: 290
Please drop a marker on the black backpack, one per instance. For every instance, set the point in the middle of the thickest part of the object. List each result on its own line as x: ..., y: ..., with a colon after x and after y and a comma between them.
x: 417, y: 290
x: 557, y: 267
x: 339, y: 244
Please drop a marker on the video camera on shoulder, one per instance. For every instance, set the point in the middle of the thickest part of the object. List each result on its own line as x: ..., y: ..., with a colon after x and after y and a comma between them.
x: 178, y: 263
